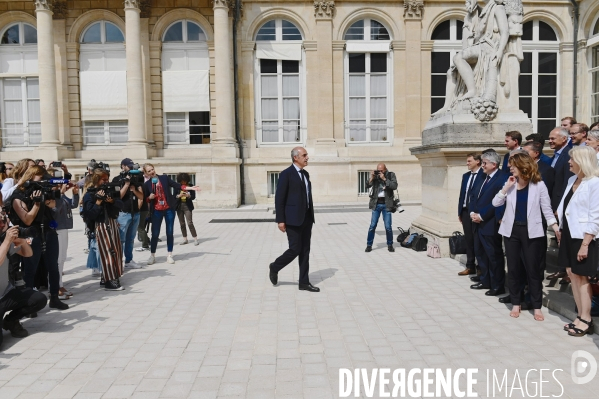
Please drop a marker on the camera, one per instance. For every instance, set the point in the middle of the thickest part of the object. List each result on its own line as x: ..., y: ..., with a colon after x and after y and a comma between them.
x: 56, y: 164
x: 133, y: 176
x: 98, y: 165
x: 24, y: 232
x: 111, y: 190
x: 2, y: 167
x: 46, y: 187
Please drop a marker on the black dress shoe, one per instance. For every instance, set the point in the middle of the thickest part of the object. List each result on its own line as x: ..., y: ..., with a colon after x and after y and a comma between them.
x: 505, y: 299
x: 496, y: 292
x: 475, y: 279
x: 479, y: 286
x: 368, y: 249
x: 390, y: 248
x: 274, y: 276
x: 308, y: 287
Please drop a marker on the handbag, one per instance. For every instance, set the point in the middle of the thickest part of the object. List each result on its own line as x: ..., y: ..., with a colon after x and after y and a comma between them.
x: 420, y: 243
x: 409, y: 240
x: 433, y: 250
x: 402, y: 234
x: 457, y: 243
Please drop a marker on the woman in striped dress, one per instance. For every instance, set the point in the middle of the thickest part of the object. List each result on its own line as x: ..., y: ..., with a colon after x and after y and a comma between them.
x: 100, y: 214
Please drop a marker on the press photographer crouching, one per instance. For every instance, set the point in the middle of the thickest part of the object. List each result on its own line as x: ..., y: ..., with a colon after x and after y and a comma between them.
x: 31, y: 205
x: 101, y: 207
x: 382, y: 200
x: 14, y: 296
x: 131, y: 181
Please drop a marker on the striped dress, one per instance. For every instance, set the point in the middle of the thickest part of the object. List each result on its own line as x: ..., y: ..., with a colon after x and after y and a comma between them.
x: 110, y: 248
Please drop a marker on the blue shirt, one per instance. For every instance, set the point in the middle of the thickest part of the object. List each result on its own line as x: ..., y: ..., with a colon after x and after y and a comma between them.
x: 521, y: 205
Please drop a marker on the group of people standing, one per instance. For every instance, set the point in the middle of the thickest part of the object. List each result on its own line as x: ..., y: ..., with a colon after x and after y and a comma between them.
x: 513, y: 206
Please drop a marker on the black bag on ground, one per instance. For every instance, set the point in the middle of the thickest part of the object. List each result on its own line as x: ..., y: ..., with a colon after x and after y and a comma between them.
x: 402, y: 234
x: 457, y: 243
x: 409, y: 240
x: 420, y: 243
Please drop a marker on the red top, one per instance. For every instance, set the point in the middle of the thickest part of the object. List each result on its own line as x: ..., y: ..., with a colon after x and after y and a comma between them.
x: 160, y: 203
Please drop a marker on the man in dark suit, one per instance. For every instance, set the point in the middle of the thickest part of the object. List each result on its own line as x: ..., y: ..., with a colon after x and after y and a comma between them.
x: 469, y: 179
x: 295, y: 216
x: 487, y: 241
x: 537, y: 137
x: 512, y: 142
x: 535, y: 149
x: 560, y: 143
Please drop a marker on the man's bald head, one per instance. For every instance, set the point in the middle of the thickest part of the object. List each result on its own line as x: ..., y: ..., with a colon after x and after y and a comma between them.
x: 299, y: 156
x: 382, y: 167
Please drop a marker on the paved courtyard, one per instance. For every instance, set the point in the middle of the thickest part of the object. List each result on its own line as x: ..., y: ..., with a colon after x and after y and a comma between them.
x: 212, y: 325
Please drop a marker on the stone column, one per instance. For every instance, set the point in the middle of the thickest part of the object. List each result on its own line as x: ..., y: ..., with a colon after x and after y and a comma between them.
x: 324, y: 11
x: 566, y: 52
x: 413, y: 10
x: 135, y: 83
x: 338, y: 100
x: 47, y: 73
x: 223, y: 65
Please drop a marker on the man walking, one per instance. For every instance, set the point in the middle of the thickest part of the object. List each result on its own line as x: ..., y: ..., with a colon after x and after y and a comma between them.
x: 295, y: 216
x: 383, y: 184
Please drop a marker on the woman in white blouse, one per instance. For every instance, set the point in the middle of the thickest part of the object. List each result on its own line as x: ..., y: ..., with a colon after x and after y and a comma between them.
x: 578, y: 215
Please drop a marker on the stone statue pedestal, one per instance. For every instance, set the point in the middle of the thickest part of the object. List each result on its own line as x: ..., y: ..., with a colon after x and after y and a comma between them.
x: 446, y: 141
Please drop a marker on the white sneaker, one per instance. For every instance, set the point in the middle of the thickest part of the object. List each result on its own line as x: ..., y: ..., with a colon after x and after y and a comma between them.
x: 141, y: 249
x: 151, y: 260
x: 196, y: 243
x: 169, y: 259
x: 132, y: 265
x: 86, y: 250
x: 184, y: 242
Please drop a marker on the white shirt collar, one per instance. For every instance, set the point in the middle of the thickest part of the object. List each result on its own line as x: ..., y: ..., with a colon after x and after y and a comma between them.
x: 297, y: 167
x: 476, y: 171
x: 492, y: 174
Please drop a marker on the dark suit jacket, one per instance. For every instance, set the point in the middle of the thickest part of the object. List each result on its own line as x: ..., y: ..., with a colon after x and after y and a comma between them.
x: 479, y: 176
x: 545, y: 159
x: 548, y: 175
x: 170, y: 187
x: 562, y: 174
x: 504, y: 166
x: 482, y: 204
x: 290, y: 199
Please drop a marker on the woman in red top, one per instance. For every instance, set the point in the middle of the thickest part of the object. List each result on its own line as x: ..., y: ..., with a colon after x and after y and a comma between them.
x: 158, y: 191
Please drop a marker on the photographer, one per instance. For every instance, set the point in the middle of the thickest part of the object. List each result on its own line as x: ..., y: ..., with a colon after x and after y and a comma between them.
x: 64, y: 218
x: 383, y: 184
x: 10, y: 184
x: 163, y: 205
x: 19, y: 301
x: 32, y: 205
x: 132, y: 197
x: 185, y: 209
x: 101, y: 207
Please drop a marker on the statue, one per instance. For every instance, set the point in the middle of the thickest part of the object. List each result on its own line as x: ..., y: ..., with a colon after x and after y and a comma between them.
x: 491, y: 34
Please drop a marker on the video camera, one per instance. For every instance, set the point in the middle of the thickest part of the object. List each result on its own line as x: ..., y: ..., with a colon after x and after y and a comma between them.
x: 2, y: 167
x: 111, y: 190
x: 134, y: 176
x: 47, y: 187
x: 98, y: 165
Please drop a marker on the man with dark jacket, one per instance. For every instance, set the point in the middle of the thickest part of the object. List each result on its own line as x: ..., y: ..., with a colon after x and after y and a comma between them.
x: 473, y: 177
x: 558, y: 141
x: 487, y: 241
x: 383, y: 184
x: 295, y: 216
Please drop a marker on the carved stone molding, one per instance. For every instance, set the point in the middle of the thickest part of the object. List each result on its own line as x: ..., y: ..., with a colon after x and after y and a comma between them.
x: 324, y: 9
x: 132, y: 4
x: 44, y: 5
x: 60, y: 10
x: 413, y: 9
x: 144, y: 7
x: 222, y: 4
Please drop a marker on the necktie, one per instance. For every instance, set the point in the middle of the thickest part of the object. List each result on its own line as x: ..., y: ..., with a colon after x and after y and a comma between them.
x: 472, y: 178
x: 483, y: 186
x: 303, y: 173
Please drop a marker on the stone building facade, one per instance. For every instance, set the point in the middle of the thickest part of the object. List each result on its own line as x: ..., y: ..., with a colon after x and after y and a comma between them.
x: 353, y: 81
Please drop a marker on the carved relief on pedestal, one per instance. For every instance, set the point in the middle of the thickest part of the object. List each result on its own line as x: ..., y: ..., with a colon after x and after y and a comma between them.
x: 413, y: 9
x: 324, y: 9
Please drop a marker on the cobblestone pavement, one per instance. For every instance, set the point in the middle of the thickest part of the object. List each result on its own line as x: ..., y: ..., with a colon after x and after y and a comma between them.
x: 212, y: 325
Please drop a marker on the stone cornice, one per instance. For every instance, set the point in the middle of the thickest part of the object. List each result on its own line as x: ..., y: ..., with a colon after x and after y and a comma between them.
x: 413, y: 9
x: 426, y: 45
x: 132, y: 5
x: 566, y: 47
x: 248, y: 46
x: 338, y: 45
x: 398, y: 45
x: 221, y: 4
x: 324, y: 9
x: 310, y: 45
x: 44, y: 5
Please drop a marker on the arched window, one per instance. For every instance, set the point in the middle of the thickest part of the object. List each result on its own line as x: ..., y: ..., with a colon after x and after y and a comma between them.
x: 447, y: 38
x: 185, y: 84
x: 279, y: 83
x: 19, y: 96
x: 538, y: 76
x: 368, y: 83
x: 593, y: 44
x: 103, y: 84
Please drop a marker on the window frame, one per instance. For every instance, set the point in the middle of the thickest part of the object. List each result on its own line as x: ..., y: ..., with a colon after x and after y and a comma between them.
x: 367, y: 28
x: 102, y: 23
x: 536, y: 46
x: 368, y: 97
x: 21, y: 25
x: 107, y: 136
x: 272, y: 180
x: 592, y: 46
x: 452, y: 46
x: 185, y: 40
x: 187, y: 133
x: 27, y: 141
x: 363, y: 179
x: 258, y: 126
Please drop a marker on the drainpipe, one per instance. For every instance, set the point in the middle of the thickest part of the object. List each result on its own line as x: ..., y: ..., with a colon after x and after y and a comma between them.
x: 236, y: 19
x: 575, y: 16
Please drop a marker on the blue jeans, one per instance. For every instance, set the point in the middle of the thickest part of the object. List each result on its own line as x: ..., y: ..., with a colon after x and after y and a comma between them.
x: 169, y: 217
x: 376, y: 213
x: 93, y: 258
x: 127, y: 228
